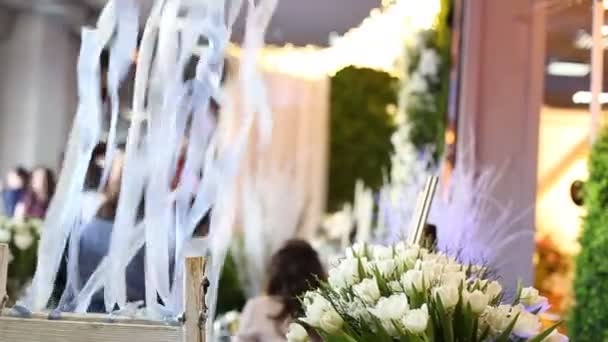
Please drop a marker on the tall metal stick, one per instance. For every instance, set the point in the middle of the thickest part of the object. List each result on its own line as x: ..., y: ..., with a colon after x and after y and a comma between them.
x: 425, y: 199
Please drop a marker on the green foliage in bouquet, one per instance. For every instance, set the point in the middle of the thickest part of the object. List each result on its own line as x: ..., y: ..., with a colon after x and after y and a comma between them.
x: 589, y: 321
x: 22, y: 238
x: 426, y: 88
x: 409, y: 294
x: 361, y: 129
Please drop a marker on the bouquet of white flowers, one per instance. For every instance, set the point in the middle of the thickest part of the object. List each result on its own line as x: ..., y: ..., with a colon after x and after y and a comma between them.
x: 407, y: 293
x: 22, y: 238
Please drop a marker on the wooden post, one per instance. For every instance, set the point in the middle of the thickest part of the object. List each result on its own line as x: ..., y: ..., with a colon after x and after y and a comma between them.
x: 194, y: 300
x: 597, y: 66
x: 4, y: 255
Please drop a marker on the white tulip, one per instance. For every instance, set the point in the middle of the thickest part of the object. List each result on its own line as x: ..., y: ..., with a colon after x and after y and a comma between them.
x: 358, y: 310
x: 527, y: 325
x: 395, y: 286
x: 382, y: 253
x: 556, y: 337
x: 453, y: 278
x: 448, y: 294
x: 297, y: 333
x: 23, y: 240
x: 386, y: 267
x: 331, y: 322
x: 415, y: 321
x: 531, y: 299
x: 391, y: 308
x: 5, y: 235
x: 345, y: 274
x: 367, y: 290
x: 356, y: 251
x: 498, y: 318
x: 413, y: 279
x: 476, y: 299
x: 493, y: 290
x: 315, y: 309
x: 453, y: 268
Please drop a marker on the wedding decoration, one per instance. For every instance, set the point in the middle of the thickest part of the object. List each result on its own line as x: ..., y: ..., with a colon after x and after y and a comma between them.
x: 425, y: 84
x: 589, y: 316
x: 362, y: 101
x: 167, y: 110
x: 408, y: 293
x: 22, y: 238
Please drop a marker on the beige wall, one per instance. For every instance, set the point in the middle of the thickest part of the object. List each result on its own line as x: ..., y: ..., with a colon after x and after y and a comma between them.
x: 563, y: 149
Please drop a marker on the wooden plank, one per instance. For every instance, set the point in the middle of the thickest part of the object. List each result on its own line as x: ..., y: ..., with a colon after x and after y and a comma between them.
x: 4, y: 255
x: 37, y: 330
x: 194, y: 299
x: 88, y: 318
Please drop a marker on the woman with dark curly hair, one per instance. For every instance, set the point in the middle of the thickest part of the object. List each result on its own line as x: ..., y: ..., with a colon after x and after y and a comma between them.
x: 294, y: 269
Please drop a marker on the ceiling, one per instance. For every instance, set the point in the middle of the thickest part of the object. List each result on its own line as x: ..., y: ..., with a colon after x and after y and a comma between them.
x: 299, y: 22
x: 302, y: 22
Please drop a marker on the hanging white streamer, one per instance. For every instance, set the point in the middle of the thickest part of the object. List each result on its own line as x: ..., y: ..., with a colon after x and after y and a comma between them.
x: 64, y: 210
x: 121, y: 58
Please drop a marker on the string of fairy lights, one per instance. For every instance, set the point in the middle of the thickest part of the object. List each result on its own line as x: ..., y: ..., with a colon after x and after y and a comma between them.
x: 376, y: 43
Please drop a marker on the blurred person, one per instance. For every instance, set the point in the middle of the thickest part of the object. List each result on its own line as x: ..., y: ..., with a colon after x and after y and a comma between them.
x: 294, y: 269
x: 13, y: 190
x: 38, y: 195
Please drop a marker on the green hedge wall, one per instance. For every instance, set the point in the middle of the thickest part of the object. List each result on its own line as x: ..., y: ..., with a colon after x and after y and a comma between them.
x: 360, y: 131
x: 589, y: 321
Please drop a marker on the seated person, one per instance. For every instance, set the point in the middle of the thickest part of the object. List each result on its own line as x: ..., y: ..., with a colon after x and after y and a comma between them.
x: 294, y: 269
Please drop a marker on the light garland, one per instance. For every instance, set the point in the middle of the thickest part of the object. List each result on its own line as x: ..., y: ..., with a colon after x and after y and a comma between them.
x: 376, y: 43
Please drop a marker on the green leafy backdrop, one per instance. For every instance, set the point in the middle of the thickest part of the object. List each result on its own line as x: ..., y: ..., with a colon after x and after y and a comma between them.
x: 589, y: 321
x: 361, y: 128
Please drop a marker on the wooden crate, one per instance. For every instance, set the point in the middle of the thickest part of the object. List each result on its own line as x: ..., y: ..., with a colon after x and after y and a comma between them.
x: 103, y: 328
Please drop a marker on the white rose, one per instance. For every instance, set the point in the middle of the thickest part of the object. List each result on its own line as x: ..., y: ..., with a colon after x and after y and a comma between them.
x: 415, y: 321
x: 5, y: 235
x: 297, y: 333
x: 356, y: 251
x: 23, y: 240
x: 413, y: 279
x: 448, y: 294
x: 331, y: 322
x: 453, y: 278
x: 493, y: 290
x: 367, y: 290
x: 527, y: 325
x: 382, y: 253
x: 476, y: 299
x: 315, y: 309
x: 556, y: 337
x: 391, y: 308
x: 531, y: 299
